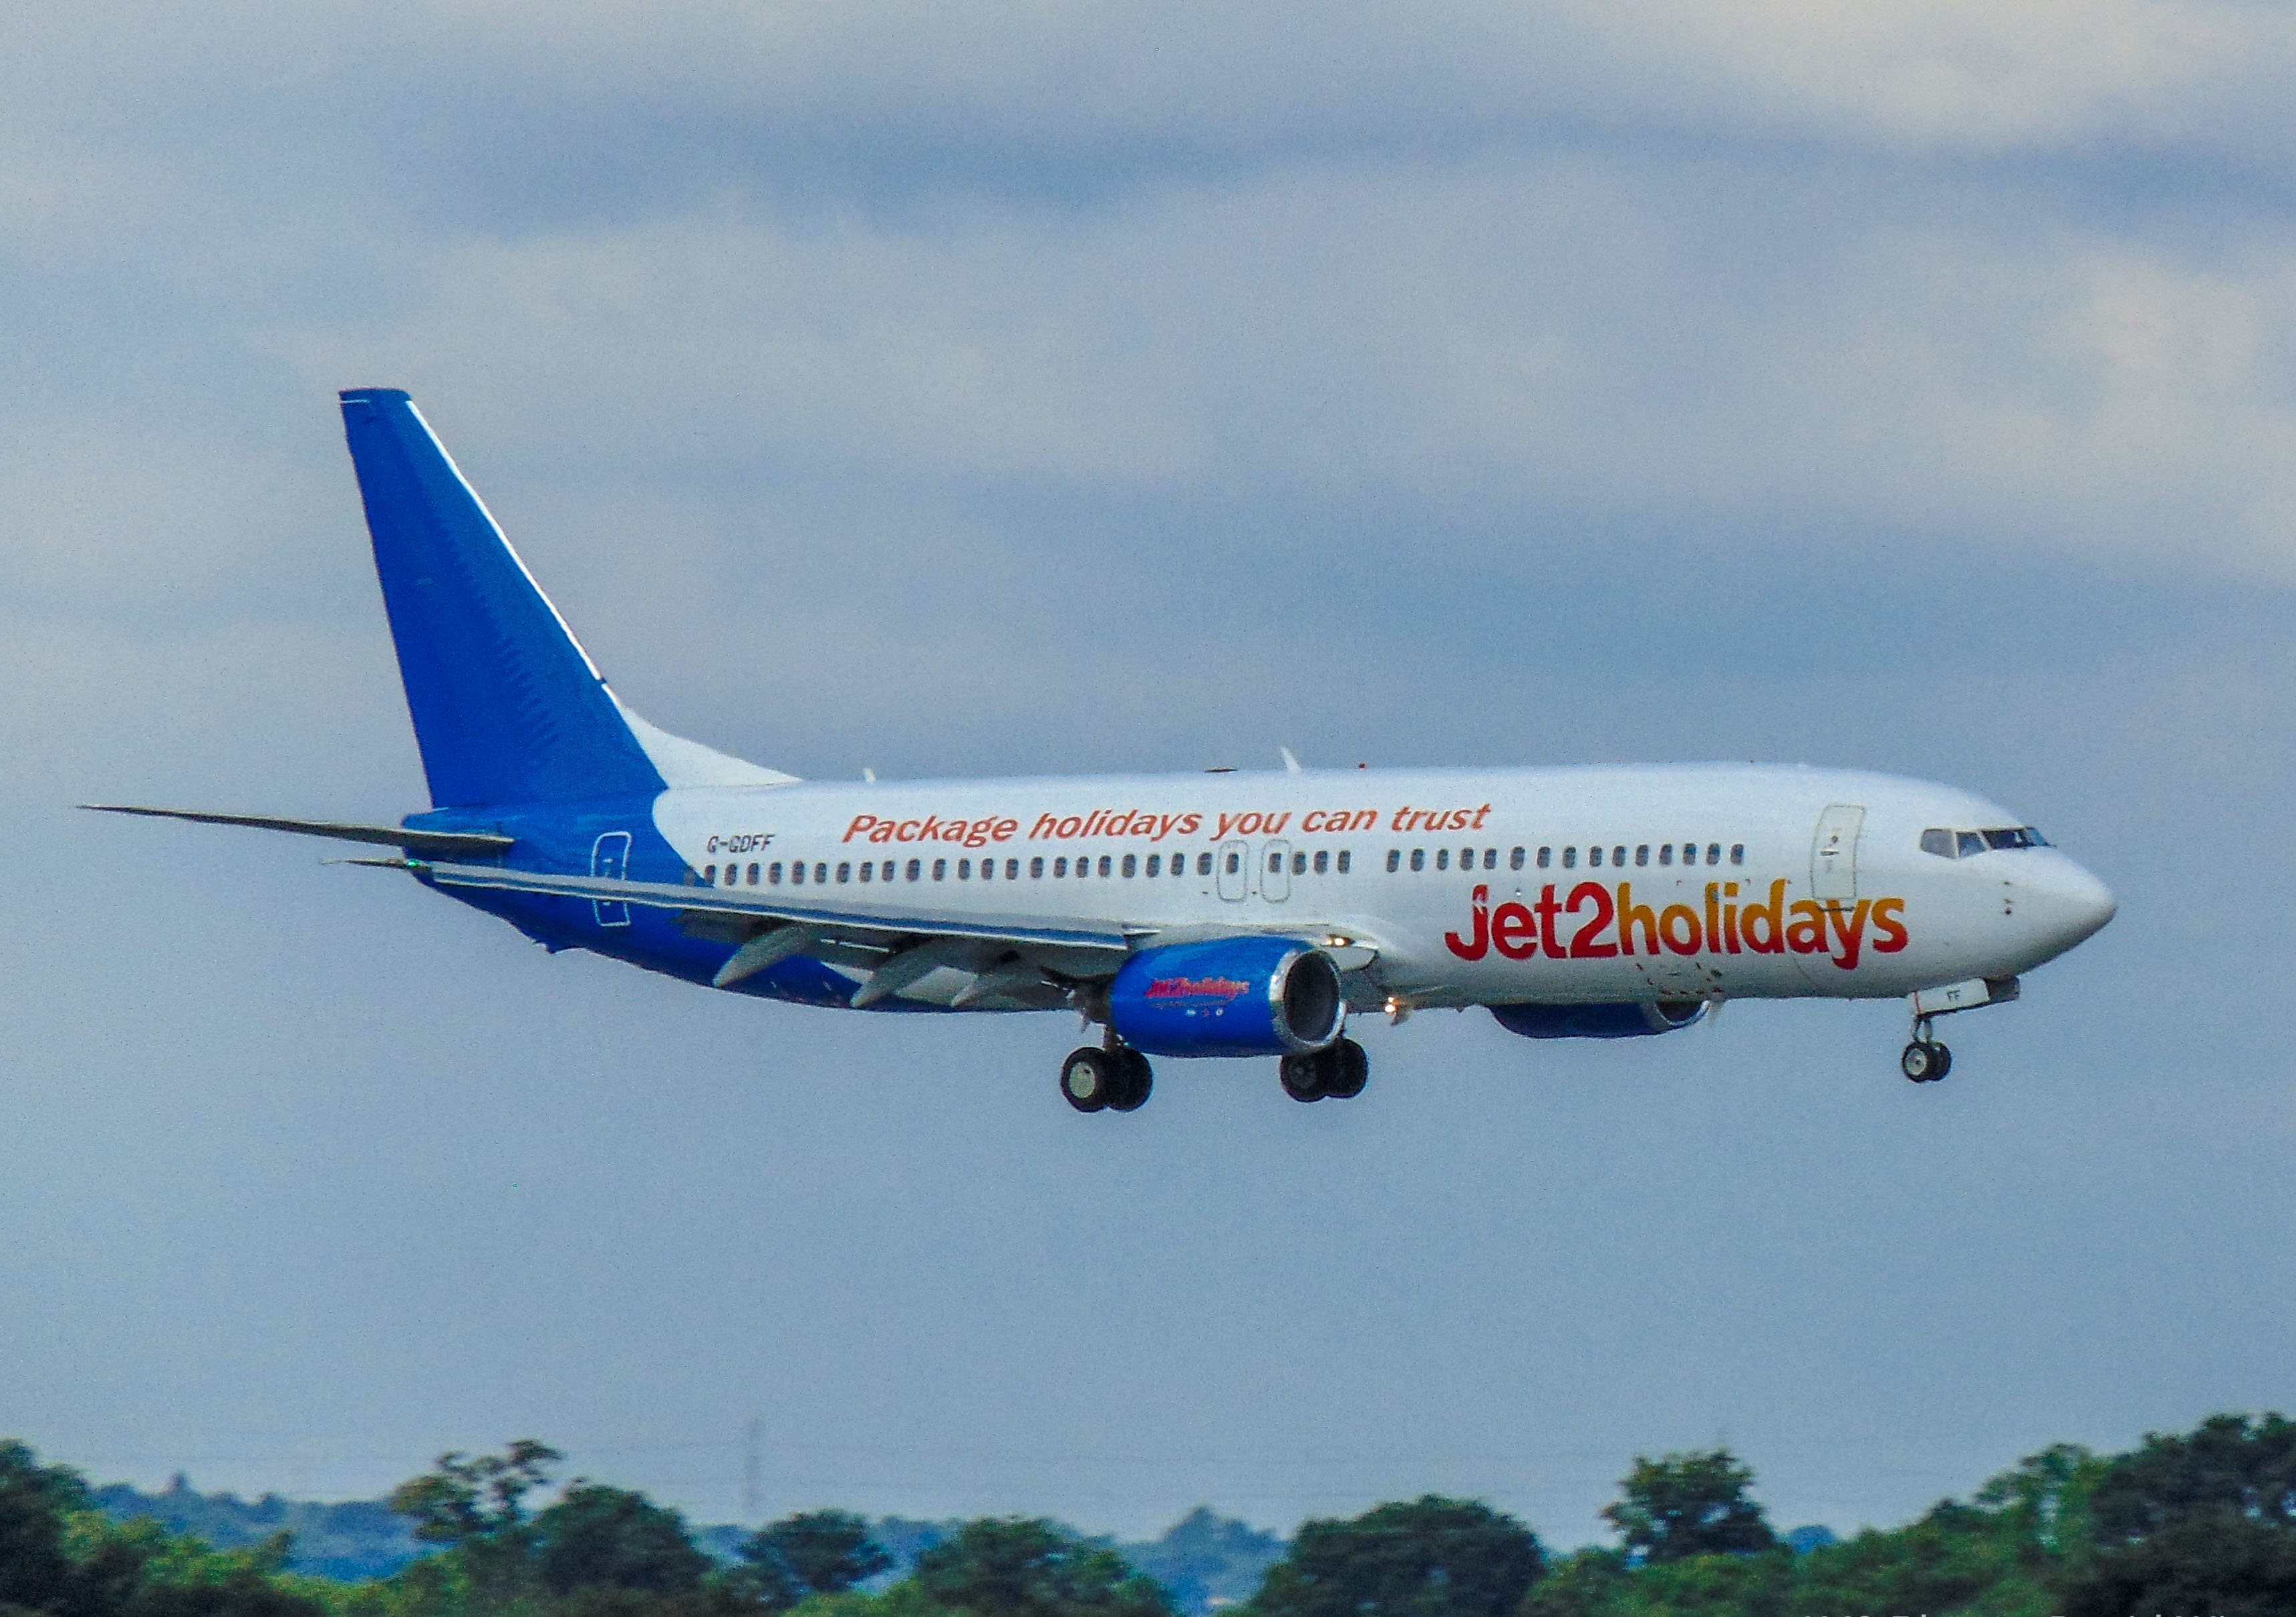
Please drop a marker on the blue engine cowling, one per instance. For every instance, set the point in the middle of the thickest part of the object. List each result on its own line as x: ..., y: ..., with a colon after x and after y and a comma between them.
x: 1635, y: 1021
x: 1227, y: 997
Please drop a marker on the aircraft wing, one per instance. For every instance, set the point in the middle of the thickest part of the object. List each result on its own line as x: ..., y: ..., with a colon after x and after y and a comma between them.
x: 434, y: 843
x: 898, y: 943
x: 741, y: 904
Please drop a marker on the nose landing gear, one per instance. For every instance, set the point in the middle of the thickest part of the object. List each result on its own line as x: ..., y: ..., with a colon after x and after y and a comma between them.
x: 1925, y: 1060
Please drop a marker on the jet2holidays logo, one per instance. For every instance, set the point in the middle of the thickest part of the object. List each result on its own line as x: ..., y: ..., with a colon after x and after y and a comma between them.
x: 1600, y: 923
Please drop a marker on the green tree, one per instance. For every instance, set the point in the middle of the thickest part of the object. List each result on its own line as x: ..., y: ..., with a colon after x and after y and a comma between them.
x: 1684, y: 1504
x: 2214, y: 1561
x: 1430, y: 1558
x: 1592, y: 1583
x: 2228, y: 1462
x: 2203, y: 1520
x: 474, y: 1498
x: 36, y: 1501
x: 1018, y: 1566
x: 610, y: 1538
x: 819, y: 1552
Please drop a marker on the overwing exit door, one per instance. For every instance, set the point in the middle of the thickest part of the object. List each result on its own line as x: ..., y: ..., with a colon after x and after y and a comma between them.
x: 1235, y: 871
x: 1275, y: 872
x: 610, y: 856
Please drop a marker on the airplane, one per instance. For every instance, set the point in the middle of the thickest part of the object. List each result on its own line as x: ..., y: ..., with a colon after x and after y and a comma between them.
x: 1223, y: 913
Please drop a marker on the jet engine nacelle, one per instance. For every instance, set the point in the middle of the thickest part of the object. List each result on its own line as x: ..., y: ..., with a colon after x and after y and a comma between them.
x: 1227, y: 997
x: 1635, y: 1021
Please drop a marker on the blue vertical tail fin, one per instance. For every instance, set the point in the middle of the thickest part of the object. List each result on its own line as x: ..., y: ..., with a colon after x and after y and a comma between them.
x: 507, y: 707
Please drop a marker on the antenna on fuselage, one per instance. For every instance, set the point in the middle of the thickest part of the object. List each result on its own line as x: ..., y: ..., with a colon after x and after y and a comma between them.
x: 1290, y: 764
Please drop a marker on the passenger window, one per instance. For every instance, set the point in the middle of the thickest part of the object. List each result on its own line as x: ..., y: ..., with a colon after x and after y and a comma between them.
x: 1666, y: 853
x: 1343, y: 861
x: 868, y: 870
x: 797, y: 874
x: 752, y: 881
x: 774, y: 874
x: 1060, y: 867
x: 1419, y: 858
x: 1570, y: 859
x: 1234, y: 863
x: 1298, y: 864
x: 1322, y: 860
x: 1036, y: 869
x: 709, y: 876
x: 1131, y: 864
x: 1103, y: 864
x: 1737, y: 853
x: 1155, y: 864
x: 1713, y: 853
x: 1937, y: 841
x: 1594, y: 858
x: 1543, y: 857
x: 1274, y: 862
x: 1971, y: 843
x: 845, y: 872
x: 1394, y: 860
x: 1642, y: 855
x: 1514, y: 859
x: 1491, y: 858
x: 941, y: 869
x: 1619, y: 854
x: 1442, y: 858
x: 1203, y: 863
x: 820, y: 872
x: 917, y: 869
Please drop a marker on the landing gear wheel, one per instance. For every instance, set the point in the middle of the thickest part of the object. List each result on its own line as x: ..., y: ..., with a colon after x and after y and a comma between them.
x: 1302, y: 1075
x: 1133, y: 1080
x: 1346, y: 1069
x: 1925, y: 1060
x: 1089, y: 1079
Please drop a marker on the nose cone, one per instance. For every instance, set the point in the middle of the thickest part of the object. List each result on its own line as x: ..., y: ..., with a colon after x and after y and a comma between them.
x: 2059, y: 904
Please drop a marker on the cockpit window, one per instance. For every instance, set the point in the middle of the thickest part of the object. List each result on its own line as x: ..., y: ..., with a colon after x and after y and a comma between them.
x: 1968, y: 844
x: 2016, y: 836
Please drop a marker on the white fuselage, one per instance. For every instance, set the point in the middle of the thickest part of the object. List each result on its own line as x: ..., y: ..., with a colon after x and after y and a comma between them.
x: 1473, y: 886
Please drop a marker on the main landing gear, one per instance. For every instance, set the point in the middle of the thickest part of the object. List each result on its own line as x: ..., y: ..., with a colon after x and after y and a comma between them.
x: 1925, y: 1060
x: 1338, y: 1071
x: 1117, y: 1079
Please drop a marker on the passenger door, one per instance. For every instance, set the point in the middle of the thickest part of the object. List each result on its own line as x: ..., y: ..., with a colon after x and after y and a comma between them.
x: 610, y: 856
x: 1275, y: 872
x: 1235, y: 871
x: 1834, y: 853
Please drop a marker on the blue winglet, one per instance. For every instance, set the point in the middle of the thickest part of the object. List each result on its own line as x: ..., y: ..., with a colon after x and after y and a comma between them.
x: 507, y: 709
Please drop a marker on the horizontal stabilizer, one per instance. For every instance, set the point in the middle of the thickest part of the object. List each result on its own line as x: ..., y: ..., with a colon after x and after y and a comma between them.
x: 430, y: 844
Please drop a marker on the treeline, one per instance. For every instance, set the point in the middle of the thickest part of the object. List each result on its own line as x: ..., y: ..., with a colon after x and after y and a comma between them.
x: 2200, y: 1521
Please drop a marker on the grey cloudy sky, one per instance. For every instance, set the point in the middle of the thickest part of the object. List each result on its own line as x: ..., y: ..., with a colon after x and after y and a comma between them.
x: 1017, y: 388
